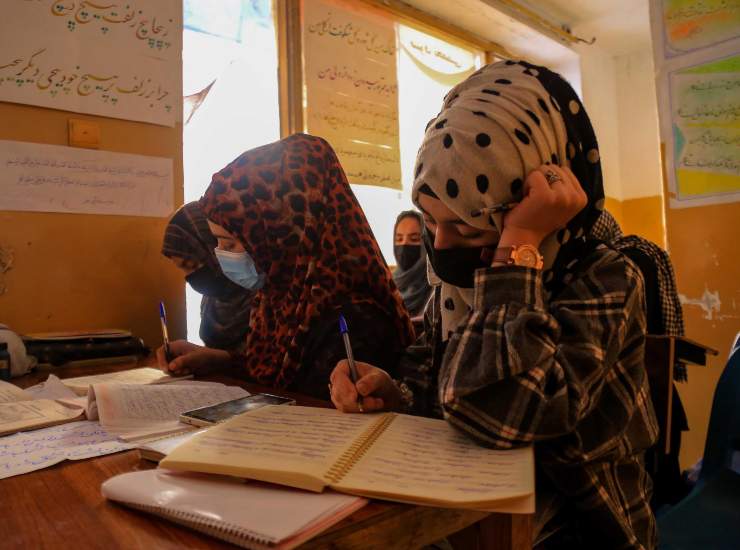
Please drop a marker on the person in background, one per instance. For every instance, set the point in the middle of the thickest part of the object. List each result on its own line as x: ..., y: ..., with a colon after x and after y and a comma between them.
x: 290, y: 230
x: 536, y: 333
x: 410, y: 274
x: 225, y: 306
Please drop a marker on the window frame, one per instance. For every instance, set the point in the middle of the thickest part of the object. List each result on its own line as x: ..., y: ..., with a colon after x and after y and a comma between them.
x: 288, y: 15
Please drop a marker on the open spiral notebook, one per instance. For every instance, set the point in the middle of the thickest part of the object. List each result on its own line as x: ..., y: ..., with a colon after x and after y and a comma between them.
x: 249, y: 514
x: 388, y: 456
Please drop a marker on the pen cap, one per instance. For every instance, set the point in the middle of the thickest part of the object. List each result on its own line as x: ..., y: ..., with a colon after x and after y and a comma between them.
x: 162, y: 313
x: 342, y: 324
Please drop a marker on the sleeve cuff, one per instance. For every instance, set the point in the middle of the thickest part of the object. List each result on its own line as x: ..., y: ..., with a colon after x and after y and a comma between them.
x: 495, y: 286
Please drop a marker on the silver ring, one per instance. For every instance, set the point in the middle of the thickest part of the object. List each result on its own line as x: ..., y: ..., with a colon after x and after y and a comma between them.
x: 552, y: 176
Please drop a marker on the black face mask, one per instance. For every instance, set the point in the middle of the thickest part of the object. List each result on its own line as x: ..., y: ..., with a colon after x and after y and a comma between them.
x: 206, y: 282
x: 407, y: 255
x: 456, y: 266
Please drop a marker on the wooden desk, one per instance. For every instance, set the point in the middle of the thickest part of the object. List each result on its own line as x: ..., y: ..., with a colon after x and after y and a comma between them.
x: 61, y: 507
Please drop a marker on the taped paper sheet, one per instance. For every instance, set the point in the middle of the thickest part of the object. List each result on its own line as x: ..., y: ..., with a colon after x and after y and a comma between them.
x: 50, y: 178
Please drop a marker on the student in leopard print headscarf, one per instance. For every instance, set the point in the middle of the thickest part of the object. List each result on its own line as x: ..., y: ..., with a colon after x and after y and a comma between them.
x: 290, y: 230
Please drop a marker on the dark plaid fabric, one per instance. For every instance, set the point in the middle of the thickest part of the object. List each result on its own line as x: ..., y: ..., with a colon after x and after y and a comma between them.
x: 670, y: 304
x: 566, y: 375
x: 668, y: 310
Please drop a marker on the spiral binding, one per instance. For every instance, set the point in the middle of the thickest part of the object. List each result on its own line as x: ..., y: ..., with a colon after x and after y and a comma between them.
x: 356, y: 451
x: 225, y: 531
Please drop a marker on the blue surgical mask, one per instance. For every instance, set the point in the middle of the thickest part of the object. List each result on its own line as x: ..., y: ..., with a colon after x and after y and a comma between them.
x: 239, y: 267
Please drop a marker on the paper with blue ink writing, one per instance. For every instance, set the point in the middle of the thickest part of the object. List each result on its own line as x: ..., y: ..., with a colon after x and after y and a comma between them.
x: 29, y: 451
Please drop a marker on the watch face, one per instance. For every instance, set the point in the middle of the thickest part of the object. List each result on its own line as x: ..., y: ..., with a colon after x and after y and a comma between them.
x: 526, y: 257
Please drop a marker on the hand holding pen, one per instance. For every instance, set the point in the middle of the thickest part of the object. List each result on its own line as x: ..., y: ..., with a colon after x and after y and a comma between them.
x: 360, y: 387
x: 350, y: 357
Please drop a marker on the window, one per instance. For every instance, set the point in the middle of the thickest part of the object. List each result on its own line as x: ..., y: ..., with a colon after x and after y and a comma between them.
x: 359, y: 51
x: 423, y: 81
x: 231, y: 104
x: 230, y: 84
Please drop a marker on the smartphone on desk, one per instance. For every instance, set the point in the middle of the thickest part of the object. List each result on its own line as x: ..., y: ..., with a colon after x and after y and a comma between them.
x: 213, y: 414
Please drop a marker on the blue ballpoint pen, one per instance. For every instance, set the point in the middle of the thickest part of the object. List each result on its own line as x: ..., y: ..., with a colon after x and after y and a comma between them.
x: 165, y: 334
x: 350, y: 358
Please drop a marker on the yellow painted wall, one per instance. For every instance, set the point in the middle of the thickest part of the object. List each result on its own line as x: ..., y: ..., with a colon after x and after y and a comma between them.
x: 704, y: 247
x: 642, y: 216
x: 78, y: 271
x: 702, y: 243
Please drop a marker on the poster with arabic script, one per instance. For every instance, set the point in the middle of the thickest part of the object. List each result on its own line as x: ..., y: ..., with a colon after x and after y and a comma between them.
x: 51, y: 178
x: 351, y: 89
x: 119, y: 59
x: 705, y: 114
x: 693, y: 24
x: 444, y: 62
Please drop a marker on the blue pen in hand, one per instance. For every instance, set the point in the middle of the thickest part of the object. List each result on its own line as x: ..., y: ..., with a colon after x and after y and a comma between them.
x: 165, y: 334
x: 350, y: 358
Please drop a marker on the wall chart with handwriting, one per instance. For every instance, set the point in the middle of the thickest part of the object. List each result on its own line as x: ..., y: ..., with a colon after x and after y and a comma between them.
x: 115, y: 58
x: 705, y: 105
x: 691, y: 24
x: 51, y: 178
x: 697, y: 75
x: 444, y: 62
x: 352, y: 89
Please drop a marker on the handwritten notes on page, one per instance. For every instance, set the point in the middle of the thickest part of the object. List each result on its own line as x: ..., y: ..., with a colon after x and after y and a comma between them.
x: 50, y: 178
x: 705, y: 110
x: 697, y: 70
x: 352, y: 89
x: 143, y: 375
x: 691, y: 25
x: 27, y: 452
x: 136, y: 408
x: 116, y: 59
x: 429, y: 460
x: 280, y: 444
x: 396, y: 457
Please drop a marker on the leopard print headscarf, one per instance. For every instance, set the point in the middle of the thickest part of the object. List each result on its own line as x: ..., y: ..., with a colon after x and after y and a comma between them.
x: 290, y: 206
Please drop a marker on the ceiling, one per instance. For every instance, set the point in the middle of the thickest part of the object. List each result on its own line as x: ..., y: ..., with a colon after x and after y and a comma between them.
x: 483, y: 19
x: 572, y: 12
x: 619, y: 26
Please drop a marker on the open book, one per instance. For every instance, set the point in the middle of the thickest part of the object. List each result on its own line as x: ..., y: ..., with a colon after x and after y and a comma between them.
x: 131, y: 409
x: 250, y: 515
x: 20, y: 411
x: 144, y: 375
x: 388, y: 456
x: 153, y: 409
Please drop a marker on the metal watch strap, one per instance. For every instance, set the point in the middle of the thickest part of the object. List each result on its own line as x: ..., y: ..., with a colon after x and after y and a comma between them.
x: 504, y: 255
x: 407, y: 396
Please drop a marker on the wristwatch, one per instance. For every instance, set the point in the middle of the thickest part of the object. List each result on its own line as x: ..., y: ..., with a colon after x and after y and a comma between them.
x: 407, y: 396
x: 525, y: 255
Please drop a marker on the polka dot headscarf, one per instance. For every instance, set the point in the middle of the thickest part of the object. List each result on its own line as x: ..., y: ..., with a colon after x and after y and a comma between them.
x: 496, y: 127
